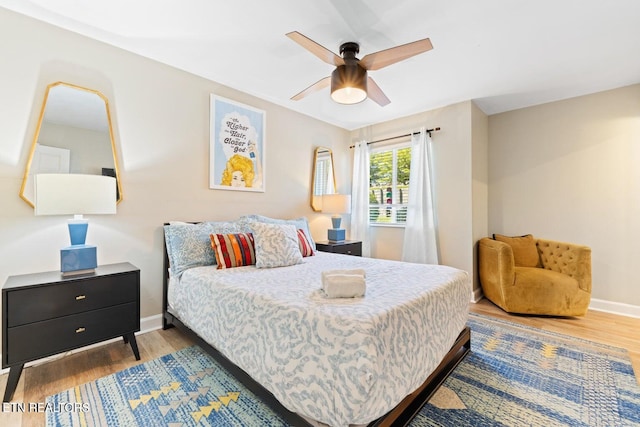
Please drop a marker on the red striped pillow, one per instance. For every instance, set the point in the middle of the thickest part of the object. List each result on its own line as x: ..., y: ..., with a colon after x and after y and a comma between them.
x: 305, y: 247
x: 233, y: 250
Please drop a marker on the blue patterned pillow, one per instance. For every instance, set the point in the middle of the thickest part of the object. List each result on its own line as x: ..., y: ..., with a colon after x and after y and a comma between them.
x: 276, y: 245
x: 300, y: 223
x: 189, y: 245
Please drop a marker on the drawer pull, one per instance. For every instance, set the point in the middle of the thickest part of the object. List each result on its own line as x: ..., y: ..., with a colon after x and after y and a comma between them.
x: 80, y: 297
x: 80, y: 330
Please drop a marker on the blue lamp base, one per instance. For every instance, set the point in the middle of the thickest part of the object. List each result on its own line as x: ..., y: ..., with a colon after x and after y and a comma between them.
x: 336, y: 235
x: 78, y: 259
x: 336, y: 220
x: 78, y: 231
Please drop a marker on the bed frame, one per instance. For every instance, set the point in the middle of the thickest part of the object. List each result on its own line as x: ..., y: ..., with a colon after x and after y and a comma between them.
x: 401, y: 415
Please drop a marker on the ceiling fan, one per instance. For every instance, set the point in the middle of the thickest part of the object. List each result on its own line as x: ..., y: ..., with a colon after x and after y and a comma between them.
x: 349, y: 81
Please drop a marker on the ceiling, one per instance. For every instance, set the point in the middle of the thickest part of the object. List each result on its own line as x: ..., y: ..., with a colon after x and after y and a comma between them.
x: 503, y: 54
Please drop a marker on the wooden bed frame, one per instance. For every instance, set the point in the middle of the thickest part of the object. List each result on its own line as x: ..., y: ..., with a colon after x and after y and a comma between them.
x: 401, y: 415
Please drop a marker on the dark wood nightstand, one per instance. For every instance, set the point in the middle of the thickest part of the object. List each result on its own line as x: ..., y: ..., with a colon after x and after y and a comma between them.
x: 348, y: 247
x: 45, y: 314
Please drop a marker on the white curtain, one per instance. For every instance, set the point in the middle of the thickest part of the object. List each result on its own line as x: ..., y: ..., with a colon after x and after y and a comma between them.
x: 420, y: 244
x: 360, y: 197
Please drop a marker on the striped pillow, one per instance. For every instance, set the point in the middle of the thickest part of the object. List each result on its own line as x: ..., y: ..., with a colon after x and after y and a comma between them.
x: 233, y: 250
x: 305, y: 247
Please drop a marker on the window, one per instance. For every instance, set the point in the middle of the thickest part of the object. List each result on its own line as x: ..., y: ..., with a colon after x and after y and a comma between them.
x: 389, y: 184
x: 323, y: 180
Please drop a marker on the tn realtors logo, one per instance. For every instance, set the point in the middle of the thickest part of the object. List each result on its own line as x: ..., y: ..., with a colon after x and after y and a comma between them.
x: 44, y: 407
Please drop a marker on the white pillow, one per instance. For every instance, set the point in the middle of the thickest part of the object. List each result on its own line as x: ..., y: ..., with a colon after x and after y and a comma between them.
x: 276, y: 245
x: 300, y: 223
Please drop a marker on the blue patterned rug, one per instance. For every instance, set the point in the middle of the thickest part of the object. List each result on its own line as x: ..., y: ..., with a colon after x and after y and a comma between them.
x: 185, y: 388
x: 520, y: 376
x: 513, y: 376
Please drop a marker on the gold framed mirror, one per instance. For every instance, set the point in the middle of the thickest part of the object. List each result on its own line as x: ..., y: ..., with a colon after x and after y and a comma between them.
x: 323, y: 179
x: 73, y: 135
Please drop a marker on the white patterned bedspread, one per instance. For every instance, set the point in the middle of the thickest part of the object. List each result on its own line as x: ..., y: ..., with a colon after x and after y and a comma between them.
x: 338, y: 361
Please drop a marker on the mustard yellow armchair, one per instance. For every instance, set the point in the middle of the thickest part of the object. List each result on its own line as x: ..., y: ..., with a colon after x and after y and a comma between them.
x: 535, y: 276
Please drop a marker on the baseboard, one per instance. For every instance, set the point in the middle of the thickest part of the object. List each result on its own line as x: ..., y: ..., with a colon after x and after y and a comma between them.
x: 147, y: 324
x: 476, y: 295
x: 615, y: 307
x: 151, y: 323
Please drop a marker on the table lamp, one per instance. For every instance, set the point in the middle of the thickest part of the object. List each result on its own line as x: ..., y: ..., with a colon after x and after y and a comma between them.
x: 76, y: 194
x: 336, y: 204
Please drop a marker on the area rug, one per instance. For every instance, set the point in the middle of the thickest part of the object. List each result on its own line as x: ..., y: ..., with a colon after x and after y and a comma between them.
x: 513, y: 376
x: 520, y: 376
x: 185, y: 388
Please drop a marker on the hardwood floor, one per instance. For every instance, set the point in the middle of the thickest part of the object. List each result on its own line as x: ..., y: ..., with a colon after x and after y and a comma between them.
x: 39, y: 381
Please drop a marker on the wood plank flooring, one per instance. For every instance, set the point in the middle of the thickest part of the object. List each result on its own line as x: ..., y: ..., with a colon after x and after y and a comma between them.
x: 42, y: 380
x: 38, y: 382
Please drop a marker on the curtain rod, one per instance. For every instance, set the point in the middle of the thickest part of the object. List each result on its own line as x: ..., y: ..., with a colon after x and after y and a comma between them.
x: 436, y: 129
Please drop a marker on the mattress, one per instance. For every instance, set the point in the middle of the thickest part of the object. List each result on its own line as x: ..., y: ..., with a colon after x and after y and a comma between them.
x: 338, y: 361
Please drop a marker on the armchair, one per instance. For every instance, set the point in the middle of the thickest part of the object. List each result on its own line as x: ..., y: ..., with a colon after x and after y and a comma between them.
x: 535, y: 276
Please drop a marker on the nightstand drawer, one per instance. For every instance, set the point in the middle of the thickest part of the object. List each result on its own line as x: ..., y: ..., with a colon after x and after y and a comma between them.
x: 348, y: 247
x: 351, y: 249
x: 34, y: 304
x: 48, y: 337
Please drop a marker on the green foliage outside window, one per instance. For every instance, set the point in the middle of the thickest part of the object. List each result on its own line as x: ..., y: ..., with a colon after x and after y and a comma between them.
x: 389, y: 185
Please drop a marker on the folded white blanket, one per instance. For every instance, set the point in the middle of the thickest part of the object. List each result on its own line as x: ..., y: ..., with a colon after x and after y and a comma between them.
x: 353, y: 271
x: 343, y: 285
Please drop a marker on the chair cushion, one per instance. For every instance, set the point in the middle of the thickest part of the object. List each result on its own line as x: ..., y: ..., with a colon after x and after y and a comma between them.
x: 540, y: 280
x: 525, y: 252
x: 545, y: 292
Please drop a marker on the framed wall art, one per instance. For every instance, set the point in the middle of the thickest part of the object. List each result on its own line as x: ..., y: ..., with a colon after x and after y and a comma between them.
x: 237, y: 146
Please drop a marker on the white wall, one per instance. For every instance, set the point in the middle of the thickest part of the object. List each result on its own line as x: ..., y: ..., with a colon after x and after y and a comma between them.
x: 569, y: 171
x: 457, y: 150
x: 479, y: 186
x: 161, y: 125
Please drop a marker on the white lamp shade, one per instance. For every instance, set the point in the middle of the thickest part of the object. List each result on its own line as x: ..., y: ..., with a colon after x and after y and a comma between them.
x: 76, y: 194
x: 336, y: 203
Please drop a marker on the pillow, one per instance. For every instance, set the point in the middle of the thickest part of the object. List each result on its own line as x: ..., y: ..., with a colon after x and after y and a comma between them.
x: 305, y: 247
x: 276, y: 245
x: 189, y: 245
x: 226, y: 227
x: 233, y: 250
x: 300, y: 223
x: 525, y: 252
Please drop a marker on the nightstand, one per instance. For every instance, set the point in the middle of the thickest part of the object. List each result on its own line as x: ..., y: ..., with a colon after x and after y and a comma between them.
x: 348, y: 247
x: 45, y: 314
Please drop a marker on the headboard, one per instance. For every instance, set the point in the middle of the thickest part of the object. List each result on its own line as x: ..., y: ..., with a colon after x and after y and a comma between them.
x: 165, y: 280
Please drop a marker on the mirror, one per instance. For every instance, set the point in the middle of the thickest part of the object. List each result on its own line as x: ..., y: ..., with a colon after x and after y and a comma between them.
x: 73, y: 135
x: 323, y: 180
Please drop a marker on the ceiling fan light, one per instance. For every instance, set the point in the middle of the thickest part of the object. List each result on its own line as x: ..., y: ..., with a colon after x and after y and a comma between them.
x: 349, y: 84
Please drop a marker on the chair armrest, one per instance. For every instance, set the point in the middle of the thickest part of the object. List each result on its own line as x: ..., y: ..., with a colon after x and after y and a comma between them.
x: 497, y: 268
x: 567, y: 258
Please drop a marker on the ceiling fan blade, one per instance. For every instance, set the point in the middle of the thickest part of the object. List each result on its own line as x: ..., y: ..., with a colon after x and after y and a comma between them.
x: 320, y: 51
x: 375, y: 93
x: 319, y: 85
x: 380, y: 59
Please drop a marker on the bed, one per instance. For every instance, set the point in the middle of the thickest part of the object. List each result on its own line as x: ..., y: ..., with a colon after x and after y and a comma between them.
x: 372, y: 360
